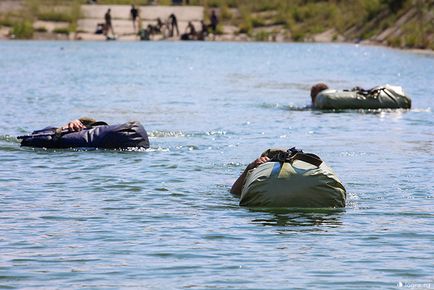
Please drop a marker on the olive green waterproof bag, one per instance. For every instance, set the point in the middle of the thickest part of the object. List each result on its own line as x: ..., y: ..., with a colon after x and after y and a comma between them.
x: 383, y: 97
x: 294, y: 183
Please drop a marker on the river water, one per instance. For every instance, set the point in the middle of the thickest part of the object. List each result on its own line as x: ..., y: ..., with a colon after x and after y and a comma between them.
x: 163, y: 218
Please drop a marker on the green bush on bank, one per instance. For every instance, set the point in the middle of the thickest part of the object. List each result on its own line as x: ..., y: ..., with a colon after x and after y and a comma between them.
x: 257, y: 22
x: 23, y: 30
x: 61, y: 30
x: 41, y: 29
x: 245, y: 27
x: 6, y: 21
x: 262, y: 36
x: 394, y: 41
x: 414, y: 36
x: 261, y: 6
x: 127, y: 2
x: 371, y: 8
x: 298, y: 35
x: 219, y: 30
x: 279, y: 21
x: 225, y: 13
x: 265, y: 36
x: 55, y: 16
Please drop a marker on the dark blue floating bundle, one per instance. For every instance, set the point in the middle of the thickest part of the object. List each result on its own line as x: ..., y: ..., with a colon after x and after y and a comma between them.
x: 120, y: 136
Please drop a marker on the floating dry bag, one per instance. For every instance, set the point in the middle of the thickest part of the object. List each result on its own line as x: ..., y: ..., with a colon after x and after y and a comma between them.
x: 382, y: 97
x: 292, y: 179
x: 131, y: 134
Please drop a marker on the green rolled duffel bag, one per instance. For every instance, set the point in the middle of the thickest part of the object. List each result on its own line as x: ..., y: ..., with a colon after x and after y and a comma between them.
x: 381, y: 97
x: 292, y: 179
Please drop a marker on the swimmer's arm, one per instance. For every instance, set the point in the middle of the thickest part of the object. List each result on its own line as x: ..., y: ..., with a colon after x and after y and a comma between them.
x: 238, y: 184
x: 79, y: 124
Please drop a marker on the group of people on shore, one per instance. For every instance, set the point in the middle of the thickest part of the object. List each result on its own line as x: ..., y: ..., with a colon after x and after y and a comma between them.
x: 168, y: 28
x: 205, y: 29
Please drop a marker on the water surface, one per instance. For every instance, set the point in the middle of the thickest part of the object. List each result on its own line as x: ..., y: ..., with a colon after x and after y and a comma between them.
x: 163, y: 218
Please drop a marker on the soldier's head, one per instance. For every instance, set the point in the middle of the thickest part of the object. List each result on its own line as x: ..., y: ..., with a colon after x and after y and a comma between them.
x: 316, y: 89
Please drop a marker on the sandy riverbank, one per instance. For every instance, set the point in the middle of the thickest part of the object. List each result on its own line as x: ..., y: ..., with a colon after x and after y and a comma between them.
x: 92, y: 15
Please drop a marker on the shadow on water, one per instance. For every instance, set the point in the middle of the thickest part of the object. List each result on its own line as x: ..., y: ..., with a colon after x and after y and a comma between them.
x: 307, y: 108
x: 299, y: 217
x: 361, y: 111
x: 285, y: 107
x: 12, y: 144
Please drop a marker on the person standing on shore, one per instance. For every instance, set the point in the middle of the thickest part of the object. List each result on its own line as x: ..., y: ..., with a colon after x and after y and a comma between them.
x: 173, y: 25
x: 108, y: 24
x: 134, y: 12
x: 214, y: 22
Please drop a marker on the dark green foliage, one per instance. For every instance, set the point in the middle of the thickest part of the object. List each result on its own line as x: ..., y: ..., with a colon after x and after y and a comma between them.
x: 40, y: 29
x: 61, y: 30
x: 258, y: 22
x: 394, y: 5
x: 23, y: 30
x: 55, y: 16
x: 6, y: 21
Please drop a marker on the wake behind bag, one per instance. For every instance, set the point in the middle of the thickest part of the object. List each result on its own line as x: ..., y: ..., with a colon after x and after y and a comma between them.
x: 381, y: 97
x: 131, y: 134
x: 292, y: 179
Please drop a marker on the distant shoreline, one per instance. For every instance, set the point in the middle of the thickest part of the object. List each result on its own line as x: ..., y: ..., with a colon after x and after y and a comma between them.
x: 79, y: 22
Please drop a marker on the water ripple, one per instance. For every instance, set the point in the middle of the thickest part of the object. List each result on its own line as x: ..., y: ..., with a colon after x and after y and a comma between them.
x: 116, y: 219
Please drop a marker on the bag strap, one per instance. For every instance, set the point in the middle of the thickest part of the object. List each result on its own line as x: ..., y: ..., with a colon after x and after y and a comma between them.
x: 370, y: 93
x: 293, y: 154
x: 360, y: 91
x: 308, y: 158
